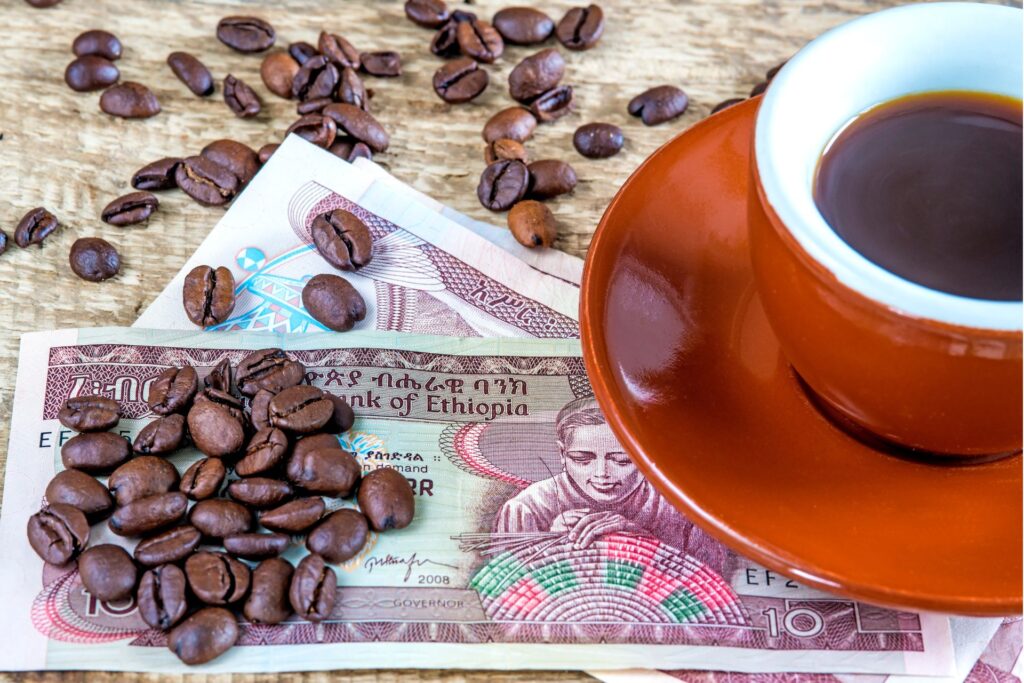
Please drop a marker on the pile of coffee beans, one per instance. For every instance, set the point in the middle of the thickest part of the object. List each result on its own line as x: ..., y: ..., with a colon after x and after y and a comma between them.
x: 210, y: 538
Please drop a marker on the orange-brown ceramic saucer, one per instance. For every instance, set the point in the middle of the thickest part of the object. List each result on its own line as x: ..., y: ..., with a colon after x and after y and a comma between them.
x: 692, y: 381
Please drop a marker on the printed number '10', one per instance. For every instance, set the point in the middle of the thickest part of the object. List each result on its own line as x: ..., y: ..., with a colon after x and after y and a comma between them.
x: 800, y: 622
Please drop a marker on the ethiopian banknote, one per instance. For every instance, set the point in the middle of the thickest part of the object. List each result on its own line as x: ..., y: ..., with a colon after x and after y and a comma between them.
x: 536, y: 543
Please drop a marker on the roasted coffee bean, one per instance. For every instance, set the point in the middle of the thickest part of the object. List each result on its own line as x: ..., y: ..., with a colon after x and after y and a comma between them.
x: 598, y: 140
x: 339, y: 536
x: 301, y: 409
x: 260, y: 492
x: 220, y: 377
x: 79, y: 490
x: 503, y: 148
x: 532, y: 224
x: 278, y: 72
x: 386, y: 498
x: 259, y: 409
x: 132, y: 208
x: 514, y: 123
x: 90, y: 413
x: 536, y: 74
x: 342, y: 239
x: 427, y: 13
x: 240, y: 98
x: 217, y: 518
x: 162, y: 436
x: 314, y: 106
x: 129, y: 100
x: 91, y: 72
x: 358, y: 124
x: 203, y: 478
x: 191, y: 72
x: 343, y: 416
x: 59, y: 532
x: 317, y: 78
x: 479, y: 40
x: 161, y: 596
x: 95, y: 452
x: 329, y: 471
x: 267, y: 151
x: 144, y: 516
x: 659, y: 104
x: 42, y: 4
x: 204, y: 636
x: 173, y: 545
x: 553, y: 105
x: 445, y: 42
x: 107, y: 572
x: 235, y: 156
x: 94, y: 259
x: 724, y: 104
x: 34, y: 227
x: 256, y: 546
x: 769, y: 75
x: 581, y: 27
x: 302, y: 52
x: 523, y: 25
x: 173, y: 390
x: 386, y: 63
x: 313, y: 589
x: 215, y: 431
x: 141, y: 477
x: 97, y: 42
x: 208, y: 295
x: 759, y: 88
x: 294, y: 517
x: 338, y: 50
x: 351, y: 90
x: 158, y: 175
x: 350, y: 151
x: 246, y: 34
x: 308, y: 444
x: 333, y: 302
x: 550, y: 178
x: 460, y: 80
x: 229, y: 402
x: 217, y: 578
x: 316, y: 128
x: 268, y: 599
x: 266, y: 450
x: 206, y: 181
x: 502, y: 184
x: 269, y: 369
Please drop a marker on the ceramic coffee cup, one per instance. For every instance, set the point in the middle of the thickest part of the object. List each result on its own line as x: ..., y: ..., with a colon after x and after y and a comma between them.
x: 916, y: 367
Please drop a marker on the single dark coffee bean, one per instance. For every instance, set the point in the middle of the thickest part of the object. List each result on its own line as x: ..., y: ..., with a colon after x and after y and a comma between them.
x: 294, y: 517
x: 217, y: 518
x: 313, y: 589
x: 217, y: 578
x: 107, y: 572
x: 445, y: 42
x: 162, y: 436
x: 386, y: 63
x: 90, y: 413
x: 270, y: 369
x: 302, y: 409
x: 532, y: 224
x: 460, y: 80
x: 553, y: 105
x: 339, y: 536
x: 260, y: 492
x: 267, y: 151
x: 215, y: 431
x: 240, y: 98
x: 550, y: 178
x: 523, y: 25
x: 192, y: 72
x: 144, y: 516
x: 256, y: 546
x: 132, y: 208
x: 308, y: 444
x: 338, y: 50
x: 598, y: 140
x: 333, y: 302
x: 386, y: 498
x: 173, y: 545
x: 759, y: 88
x: 141, y: 477
x: 34, y: 227
x: 659, y: 104
x: 536, y: 74
x: 581, y: 27
x: 220, y: 378
x: 173, y: 390
x: 158, y: 175
x: 94, y: 259
x: 350, y: 151
x: 316, y: 128
x: 479, y: 40
x: 358, y: 124
x: 268, y: 598
x: 246, y: 34
x: 259, y: 409
x: 427, y: 13
x: 204, y: 636
x: 58, y: 533
x: 514, y: 123
x: 302, y: 52
x: 129, y: 100
x: 343, y: 416
x: 342, y: 239
x: 235, y: 156
x: 502, y: 184
x: 503, y: 148
x: 95, y: 452
x: 328, y: 471
x: 203, y: 478
x: 316, y: 78
x: 208, y: 295
x: 79, y: 490
x: 278, y: 72
x: 231, y: 403
x: 206, y: 181
x: 724, y: 104
x: 97, y: 42
x: 266, y: 450
x: 161, y: 596
x: 91, y: 72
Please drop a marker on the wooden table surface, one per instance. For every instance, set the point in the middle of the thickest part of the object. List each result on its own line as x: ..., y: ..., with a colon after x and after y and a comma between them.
x: 60, y: 151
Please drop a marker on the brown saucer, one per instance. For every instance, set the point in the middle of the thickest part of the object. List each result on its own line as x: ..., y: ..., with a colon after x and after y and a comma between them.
x: 692, y: 381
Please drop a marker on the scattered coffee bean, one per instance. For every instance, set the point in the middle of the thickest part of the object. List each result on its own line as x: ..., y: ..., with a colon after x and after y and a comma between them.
x: 162, y: 436
x: 387, y: 500
x: 173, y: 390
x: 523, y: 25
x: 502, y: 184
x: 79, y: 490
x: 294, y: 517
x: 316, y: 128
x: 232, y: 404
x: 246, y: 34
x: 208, y: 295
x: 358, y: 124
x: 266, y: 450
x: 313, y: 589
x: 94, y: 259
x: 581, y: 27
x: 338, y: 50
x: 351, y: 90
x: 445, y: 42
x: 269, y: 369
x: 141, y: 477
x: 91, y: 72
x: 158, y: 175
x: 217, y: 578
x: 308, y: 444
x: 259, y: 410
x: 302, y: 52
x: 268, y: 599
x: 598, y: 140
x: 170, y: 546
x: 759, y: 88
x: 479, y: 40
x: 217, y: 517
x: 343, y: 416
x: 327, y: 471
x: 385, y: 63
x: 659, y: 104
x: 42, y: 4
x: 350, y: 151
x: 553, y: 105
x: 301, y: 409
x: 144, y: 516
x: 726, y: 103
x: 129, y: 100
x: 339, y: 536
x: 267, y: 151
x: 107, y: 572
x: 235, y: 156
x: 460, y: 80
x: 203, y: 478
x: 256, y: 546
x: 514, y: 123
x: 504, y: 148
x: 90, y: 413
x: 536, y: 74
x: 240, y: 98
x: 215, y: 430
x: 342, y: 239
x: 97, y: 42
x: 132, y: 208
x: 427, y: 13
x: 316, y: 78
x: 550, y: 178
x: 95, y: 452
x: 58, y: 533
x: 34, y: 227
x: 532, y: 224
x: 260, y: 492
x: 191, y: 72
x: 333, y: 302
x: 206, y: 181
x: 161, y: 596
x: 204, y: 636
x: 278, y: 73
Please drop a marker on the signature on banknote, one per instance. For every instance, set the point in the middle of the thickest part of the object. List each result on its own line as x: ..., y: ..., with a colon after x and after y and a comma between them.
x: 410, y: 562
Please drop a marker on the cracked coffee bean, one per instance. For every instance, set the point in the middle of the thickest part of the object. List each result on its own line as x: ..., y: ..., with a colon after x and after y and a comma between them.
x: 246, y: 34
x: 146, y: 515
x: 208, y: 295
x: 34, y: 227
x: 91, y: 72
x: 659, y: 104
x: 479, y: 40
x: 94, y: 259
x: 141, y: 477
x: 173, y: 390
x: 129, y: 100
x: 270, y: 369
x: 161, y: 596
x: 129, y: 209
x: 338, y: 50
x: 460, y: 80
x: 240, y: 98
x: 581, y: 27
x: 170, y: 546
x: 203, y: 478
x: 90, y: 413
x: 504, y: 148
x: 342, y: 239
x: 158, y: 175
x: 333, y: 302
x: 351, y: 90
x: 107, y: 572
x: 553, y: 105
x: 316, y: 128
x: 206, y: 181
x: 359, y: 125
x: 58, y: 533
x: 532, y: 224
x: 316, y: 78
x: 301, y: 409
x: 217, y: 578
x: 204, y: 636
x: 266, y: 450
x: 236, y: 157
x: 97, y: 42
x: 220, y: 378
x: 82, y: 491
x: 302, y: 52
x: 313, y: 589
x: 191, y: 72
x: 162, y: 436
x: 259, y: 409
x: 502, y: 184
x: 445, y: 42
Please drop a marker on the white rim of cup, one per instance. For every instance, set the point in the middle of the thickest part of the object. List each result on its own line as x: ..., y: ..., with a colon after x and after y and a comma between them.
x: 928, y: 38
